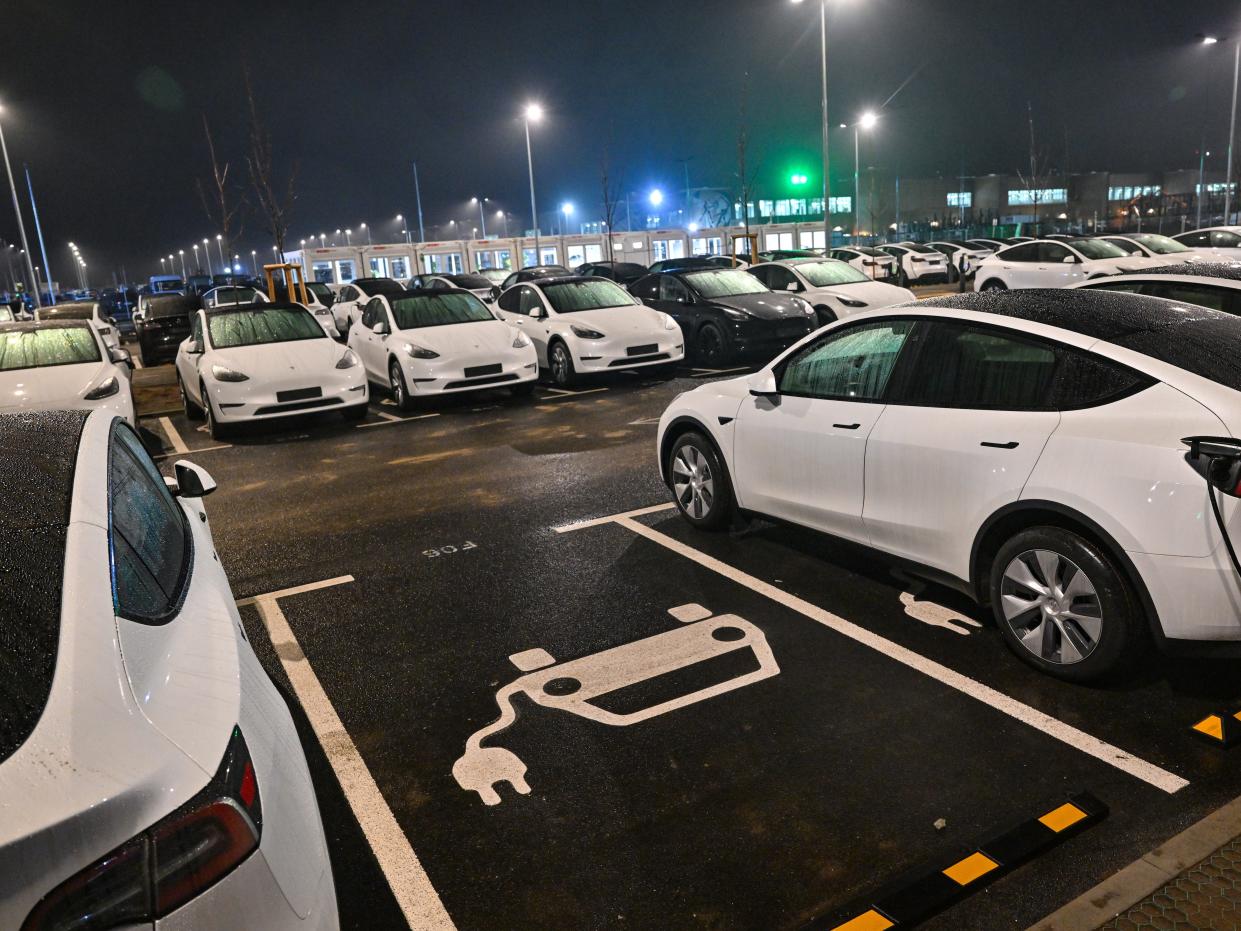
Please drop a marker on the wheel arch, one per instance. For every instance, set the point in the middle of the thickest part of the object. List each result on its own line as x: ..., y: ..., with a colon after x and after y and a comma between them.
x: 990, y: 281
x: 1021, y: 515
x: 677, y: 429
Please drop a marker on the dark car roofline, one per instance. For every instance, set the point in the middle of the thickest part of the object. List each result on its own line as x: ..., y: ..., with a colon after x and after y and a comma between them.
x: 9, y: 326
x: 1229, y: 271
x: 260, y: 305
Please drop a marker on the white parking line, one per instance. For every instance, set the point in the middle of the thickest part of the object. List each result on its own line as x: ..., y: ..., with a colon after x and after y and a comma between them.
x: 699, y: 372
x: 640, y: 423
x: 136, y: 361
x: 612, y: 518
x: 560, y: 393
x: 1052, y: 727
x: 387, y: 416
x: 178, y: 444
x: 193, y: 452
x: 411, y: 886
x: 391, y: 420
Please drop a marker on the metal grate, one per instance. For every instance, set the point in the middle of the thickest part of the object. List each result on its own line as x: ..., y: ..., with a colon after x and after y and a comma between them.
x: 1206, y: 897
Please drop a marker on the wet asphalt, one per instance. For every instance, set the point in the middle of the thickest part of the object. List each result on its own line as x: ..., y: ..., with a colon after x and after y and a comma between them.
x: 765, y: 806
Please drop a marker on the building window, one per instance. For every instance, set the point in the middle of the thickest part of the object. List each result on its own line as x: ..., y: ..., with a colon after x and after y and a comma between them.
x: 1215, y: 187
x: 1129, y: 192
x: 961, y: 199
x: 1047, y: 195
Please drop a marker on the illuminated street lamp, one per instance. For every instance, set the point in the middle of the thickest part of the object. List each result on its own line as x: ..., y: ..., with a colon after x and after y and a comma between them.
x: 322, y: 240
x: 197, y: 264
x: 349, y: 237
x: 827, y: 180
x: 181, y: 252
x: 21, y: 226
x: 481, y: 218
x: 501, y: 215
x: 533, y: 114
x: 254, y: 260
x: 1232, y: 122
x: 656, y: 197
x: 404, y: 227
x: 566, y: 210
x: 867, y: 121
x: 368, y: 233
x: 219, y: 245
x: 207, y: 254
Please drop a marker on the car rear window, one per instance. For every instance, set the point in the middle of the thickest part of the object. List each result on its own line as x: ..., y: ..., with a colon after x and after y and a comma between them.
x: 37, y: 456
x: 1203, y: 343
x: 177, y: 306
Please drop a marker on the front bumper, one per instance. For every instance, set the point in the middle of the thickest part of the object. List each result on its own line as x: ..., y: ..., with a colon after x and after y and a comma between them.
x: 235, y: 402
x: 617, y: 354
x: 768, y: 337
x: 452, y: 378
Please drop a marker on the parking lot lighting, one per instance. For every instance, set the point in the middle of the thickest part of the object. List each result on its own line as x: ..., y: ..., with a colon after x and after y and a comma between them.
x: 21, y: 225
x: 533, y: 114
x: 1209, y: 40
x: 867, y: 121
x: 656, y: 197
x: 481, y: 218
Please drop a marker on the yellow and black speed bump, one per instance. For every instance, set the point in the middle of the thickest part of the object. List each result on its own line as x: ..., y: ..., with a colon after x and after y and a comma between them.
x: 928, y: 890
x: 1222, y: 729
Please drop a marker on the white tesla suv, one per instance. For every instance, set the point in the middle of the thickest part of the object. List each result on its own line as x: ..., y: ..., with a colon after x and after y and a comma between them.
x: 585, y: 326
x: 151, y: 772
x: 1054, y: 263
x: 431, y: 342
x: 62, y: 365
x: 1026, y: 448
x: 835, y: 288
x: 262, y: 362
x: 83, y: 310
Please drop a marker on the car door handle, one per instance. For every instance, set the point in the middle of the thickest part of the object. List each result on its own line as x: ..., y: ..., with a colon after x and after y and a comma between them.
x: 1011, y: 444
x: 846, y: 426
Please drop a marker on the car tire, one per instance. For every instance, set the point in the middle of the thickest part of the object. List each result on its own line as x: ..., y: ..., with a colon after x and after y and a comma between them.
x: 710, y: 345
x: 699, y: 482
x: 357, y: 412
x: 524, y: 390
x: 993, y: 284
x: 560, y: 363
x: 192, y: 410
x: 1063, y: 607
x: 398, y: 387
x: 217, y: 430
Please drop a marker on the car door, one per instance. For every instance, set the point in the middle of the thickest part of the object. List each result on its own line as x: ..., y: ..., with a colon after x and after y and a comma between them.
x: 187, y: 362
x: 369, y: 345
x: 801, y: 456
x: 965, y: 422
x: 530, y: 318
x: 1018, y: 265
x: 1216, y: 297
x: 1057, y: 266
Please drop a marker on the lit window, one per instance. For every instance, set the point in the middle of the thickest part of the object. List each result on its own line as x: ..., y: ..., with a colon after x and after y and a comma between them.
x: 960, y: 199
x: 1049, y: 195
x: 1129, y: 192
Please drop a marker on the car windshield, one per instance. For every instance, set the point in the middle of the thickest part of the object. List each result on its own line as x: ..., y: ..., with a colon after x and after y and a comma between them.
x: 1160, y: 245
x: 1097, y: 249
x: 568, y: 297
x: 67, y: 312
x: 266, y: 325
x: 372, y: 286
x: 724, y: 283
x: 822, y: 274
x: 30, y: 349
x: 472, y: 282
x: 177, y: 306
x: 413, y: 312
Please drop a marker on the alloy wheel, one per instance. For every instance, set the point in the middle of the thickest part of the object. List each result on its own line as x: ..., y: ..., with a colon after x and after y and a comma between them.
x: 398, y: 385
x: 710, y: 345
x: 692, y: 482
x: 560, y: 365
x: 1051, y: 606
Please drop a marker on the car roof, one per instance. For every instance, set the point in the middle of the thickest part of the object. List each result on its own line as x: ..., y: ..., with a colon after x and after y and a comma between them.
x: 14, y: 325
x: 564, y: 279
x: 1230, y: 271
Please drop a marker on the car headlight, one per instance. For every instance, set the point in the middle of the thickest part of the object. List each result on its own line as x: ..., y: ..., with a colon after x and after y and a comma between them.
x: 415, y: 351
x: 735, y: 314
x: 585, y: 332
x: 521, y: 341
x: 222, y: 373
x: 108, y: 387
x: 669, y: 323
x: 322, y: 311
x: 850, y: 302
x: 348, y: 360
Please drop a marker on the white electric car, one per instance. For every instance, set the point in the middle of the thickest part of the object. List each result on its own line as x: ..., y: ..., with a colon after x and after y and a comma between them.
x: 62, y: 365
x: 351, y: 298
x: 962, y: 258
x: 1029, y: 449
x: 431, y: 342
x: 869, y: 261
x: 151, y: 772
x: 1156, y: 246
x: 83, y: 310
x: 1223, y: 243
x: 835, y: 288
x: 584, y: 326
x: 265, y: 361
x: 1054, y: 263
x: 917, y: 264
x: 1206, y: 284
x: 479, y: 285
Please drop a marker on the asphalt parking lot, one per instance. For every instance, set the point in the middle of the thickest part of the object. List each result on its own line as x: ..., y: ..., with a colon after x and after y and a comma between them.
x: 754, y: 729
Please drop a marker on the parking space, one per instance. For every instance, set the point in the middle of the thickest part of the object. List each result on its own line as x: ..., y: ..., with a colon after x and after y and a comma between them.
x: 527, y: 712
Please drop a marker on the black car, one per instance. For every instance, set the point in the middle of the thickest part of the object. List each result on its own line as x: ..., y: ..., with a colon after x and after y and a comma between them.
x: 165, y: 323
x: 776, y: 255
x: 534, y: 272
x: 623, y: 273
x: 697, y: 261
x: 726, y: 313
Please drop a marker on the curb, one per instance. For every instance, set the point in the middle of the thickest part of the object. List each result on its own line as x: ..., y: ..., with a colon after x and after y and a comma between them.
x: 1139, y: 879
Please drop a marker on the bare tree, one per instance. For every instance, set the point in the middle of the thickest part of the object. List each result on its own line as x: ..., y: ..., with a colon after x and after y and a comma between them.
x: 275, y: 199
x: 612, y: 193
x: 746, y: 171
x: 1040, y: 171
x: 224, y: 206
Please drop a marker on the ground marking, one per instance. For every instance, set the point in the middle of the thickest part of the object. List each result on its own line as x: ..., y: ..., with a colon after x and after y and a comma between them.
x: 640, y: 423
x: 178, y: 444
x: 193, y: 452
x: 1065, y: 733
x: 386, y: 416
x: 558, y: 394
x: 136, y: 361
x: 411, y: 886
x: 582, y: 525
x: 392, y: 420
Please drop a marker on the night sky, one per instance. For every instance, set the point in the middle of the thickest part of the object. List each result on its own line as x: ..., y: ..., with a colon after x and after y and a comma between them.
x: 104, y: 100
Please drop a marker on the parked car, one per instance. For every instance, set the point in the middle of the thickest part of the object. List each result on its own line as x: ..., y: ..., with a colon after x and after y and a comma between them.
x: 496, y: 276
x: 83, y: 310
x: 917, y: 264
x: 1215, y: 285
x: 197, y: 284
x: 873, y: 263
x: 165, y: 323
x: 835, y: 288
x: 987, y: 245
x: 480, y: 287
x: 262, y: 362
x: 962, y: 259
x: 533, y: 273
x: 1154, y: 245
x: 1048, y: 263
x: 727, y: 313
x: 180, y: 797
x: 776, y: 255
x: 584, y: 326
x: 697, y: 261
x: 1222, y: 242
x: 437, y: 341
x: 62, y: 364
x: 354, y: 296
x: 231, y: 296
x: 1008, y: 445
x: 623, y: 273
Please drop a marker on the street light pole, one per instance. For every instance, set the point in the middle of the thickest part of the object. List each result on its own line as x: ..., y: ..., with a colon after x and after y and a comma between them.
x: 38, y: 231
x: 181, y: 252
x: 1232, y: 129
x: 254, y: 262
x: 481, y: 218
x: 422, y: 233
x: 21, y: 226
x: 533, y: 112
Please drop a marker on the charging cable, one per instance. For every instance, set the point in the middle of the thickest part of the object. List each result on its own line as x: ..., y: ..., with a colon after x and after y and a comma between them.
x: 1223, y: 459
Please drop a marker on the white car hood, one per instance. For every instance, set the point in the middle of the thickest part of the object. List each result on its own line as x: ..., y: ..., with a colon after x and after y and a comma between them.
x: 616, y: 321
x: 51, y: 386
x: 303, y: 355
x: 454, y: 339
x: 873, y: 293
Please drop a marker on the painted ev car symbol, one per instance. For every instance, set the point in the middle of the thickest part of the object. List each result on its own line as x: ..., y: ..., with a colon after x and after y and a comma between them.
x: 572, y: 685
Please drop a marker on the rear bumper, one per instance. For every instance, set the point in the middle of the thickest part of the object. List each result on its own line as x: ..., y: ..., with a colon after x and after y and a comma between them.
x: 1197, y: 600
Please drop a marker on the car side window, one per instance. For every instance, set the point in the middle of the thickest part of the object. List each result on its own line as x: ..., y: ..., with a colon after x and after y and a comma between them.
x: 150, y: 543
x: 673, y: 289
x: 1203, y: 295
x: 1052, y: 252
x: 646, y: 288
x: 1196, y: 238
x: 510, y: 301
x: 854, y: 364
x: 530, y: 303
x: 1225, y: 240
x: 979, y: 368
x: 1027, y: 252
x: 1126, y: 245
x: 1086, y: 380
x: 779, y: 278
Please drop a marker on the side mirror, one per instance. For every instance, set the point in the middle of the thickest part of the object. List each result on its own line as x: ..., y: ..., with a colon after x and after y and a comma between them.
x: 1069, y: 260
x: 380, y: 328
x: 792, y: 286
x: 120, y: 356
x: 763, y: 384
x: 192, y: 481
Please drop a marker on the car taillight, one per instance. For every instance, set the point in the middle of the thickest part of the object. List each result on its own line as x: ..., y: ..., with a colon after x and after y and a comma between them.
x: 177, y: 858
x: 918, y: 258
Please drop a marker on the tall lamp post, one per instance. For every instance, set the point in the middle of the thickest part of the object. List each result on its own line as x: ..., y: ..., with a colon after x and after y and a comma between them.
x: 482, y: 219
x: 181, y: 252
x: 827, y: 179
x: 501, y: 215
x: 566, y: 211
x: 867, y: 121
x: 533, y: 114
x: 404, y: 227
x: 21, y: 226
x: 1232, y: 127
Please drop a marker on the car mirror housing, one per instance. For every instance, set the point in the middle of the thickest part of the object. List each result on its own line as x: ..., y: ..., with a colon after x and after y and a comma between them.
x: 763, y: 384
x: 193, y: 481
x: 121, y: 356
x: 1069, y: 260
x: 793, y: 286
x: 380, y: 328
